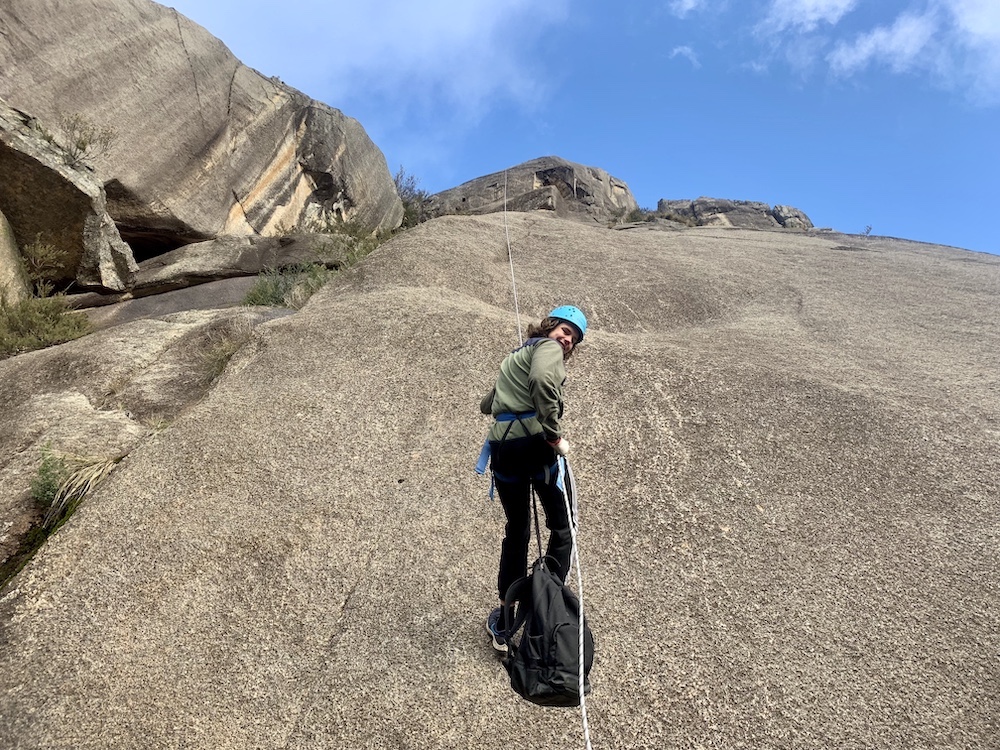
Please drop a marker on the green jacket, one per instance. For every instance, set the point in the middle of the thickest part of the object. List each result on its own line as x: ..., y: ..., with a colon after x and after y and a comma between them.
x: 531, y: 379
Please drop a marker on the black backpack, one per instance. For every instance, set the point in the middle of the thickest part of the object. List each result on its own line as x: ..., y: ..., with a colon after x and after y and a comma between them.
x: 544, y: 664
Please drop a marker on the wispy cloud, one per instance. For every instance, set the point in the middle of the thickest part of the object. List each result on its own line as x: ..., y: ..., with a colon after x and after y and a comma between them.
x: 687, y: 53
x: 976, y: 40
x: 899, y: 46
x: 805, y: 15
x: 681, y: 8
x: 460, y: 53
x: 954, y: 43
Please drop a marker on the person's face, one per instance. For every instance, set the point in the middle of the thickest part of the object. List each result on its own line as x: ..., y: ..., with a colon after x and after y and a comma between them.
x: 564, y: 335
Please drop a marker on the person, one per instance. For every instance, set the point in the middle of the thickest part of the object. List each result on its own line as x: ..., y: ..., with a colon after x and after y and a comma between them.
x: 524, y: 441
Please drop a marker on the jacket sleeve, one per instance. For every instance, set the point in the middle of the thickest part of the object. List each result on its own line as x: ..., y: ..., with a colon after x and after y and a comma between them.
x: 486, y: 405
x: 545, y: 383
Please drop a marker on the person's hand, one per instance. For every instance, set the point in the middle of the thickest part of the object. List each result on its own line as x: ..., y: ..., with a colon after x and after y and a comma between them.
x: 560, y: 446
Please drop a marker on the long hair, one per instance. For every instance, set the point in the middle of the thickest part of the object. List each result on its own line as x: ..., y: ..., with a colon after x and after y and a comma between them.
x: 544, y: 328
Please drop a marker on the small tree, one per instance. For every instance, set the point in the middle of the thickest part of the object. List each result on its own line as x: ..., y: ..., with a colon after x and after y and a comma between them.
x: 83, y: 140
x: 43, y: 262
x: 413, y: 198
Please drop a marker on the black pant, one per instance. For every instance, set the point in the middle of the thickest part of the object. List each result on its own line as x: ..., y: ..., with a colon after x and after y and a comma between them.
x: 519, y: 465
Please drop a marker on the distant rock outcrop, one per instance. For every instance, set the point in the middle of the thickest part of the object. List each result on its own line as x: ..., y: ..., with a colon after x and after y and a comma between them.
x: 46, y: 200
x: 205, y: 145
x: 729, y: 213
x: 550, y: 183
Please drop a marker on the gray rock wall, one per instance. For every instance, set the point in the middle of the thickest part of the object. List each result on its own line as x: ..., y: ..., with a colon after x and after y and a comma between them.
x: 205, y: 145
x: 785, y: 445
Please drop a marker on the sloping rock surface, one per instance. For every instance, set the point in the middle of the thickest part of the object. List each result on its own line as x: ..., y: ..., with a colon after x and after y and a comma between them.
x: 550, y: 183
x: 205, y: 145
x: 102, y: 395
x: 47, y: 201
x: 786, y: 448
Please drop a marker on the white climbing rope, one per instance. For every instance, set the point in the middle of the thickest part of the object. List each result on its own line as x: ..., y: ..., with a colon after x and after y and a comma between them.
x: 566, y: 479
x: 510, y: 258
x: 568, y: 484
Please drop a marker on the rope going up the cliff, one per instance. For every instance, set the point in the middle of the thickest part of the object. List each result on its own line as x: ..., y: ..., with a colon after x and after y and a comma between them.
x: 510, y: 258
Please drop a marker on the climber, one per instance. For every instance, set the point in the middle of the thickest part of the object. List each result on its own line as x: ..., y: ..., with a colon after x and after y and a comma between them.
x: 523, y: 444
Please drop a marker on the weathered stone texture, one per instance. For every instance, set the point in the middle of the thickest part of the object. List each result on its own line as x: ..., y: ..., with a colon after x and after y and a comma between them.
x: 205, y: 145
x: 731, y: 213
x: 46, y: 200
x: 14, y: 284
x: 549, y: 183
x: 789, y: 492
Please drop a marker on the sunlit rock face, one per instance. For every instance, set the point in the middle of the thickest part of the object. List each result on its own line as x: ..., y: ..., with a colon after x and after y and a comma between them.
x: 204, y: 145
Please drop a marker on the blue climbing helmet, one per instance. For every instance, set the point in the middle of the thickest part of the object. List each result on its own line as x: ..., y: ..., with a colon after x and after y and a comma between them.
x: 572, y: 315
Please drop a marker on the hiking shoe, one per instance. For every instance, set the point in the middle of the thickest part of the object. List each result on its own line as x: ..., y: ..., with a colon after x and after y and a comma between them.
x: 497, y: 637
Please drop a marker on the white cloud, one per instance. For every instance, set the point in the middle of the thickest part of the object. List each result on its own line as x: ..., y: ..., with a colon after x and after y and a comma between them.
x: 464, y: 52
x: 805, y: 15
x: 975, y: 39
x: 681, y: 8
x: 687, y: 53
x: 461, y: 55
x: 902, y: 46
x: 956, y: 43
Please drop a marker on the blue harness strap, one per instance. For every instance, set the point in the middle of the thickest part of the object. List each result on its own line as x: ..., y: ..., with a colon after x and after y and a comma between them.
x: 484, y: 453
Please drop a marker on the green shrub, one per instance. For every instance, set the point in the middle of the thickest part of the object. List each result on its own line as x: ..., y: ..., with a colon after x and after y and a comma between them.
x: 413, y: 198
x: 288, y: 287
x: 52, y: 472
x: 44, y: 263
x: 38, y: 322
x: 84, y: 141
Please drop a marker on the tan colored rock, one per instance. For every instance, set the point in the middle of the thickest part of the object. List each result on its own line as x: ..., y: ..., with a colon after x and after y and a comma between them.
x: 46, y: 200
x: 787, y: 461
x: 14, y: 285
x: 549, y: 183
x: 205, y: 145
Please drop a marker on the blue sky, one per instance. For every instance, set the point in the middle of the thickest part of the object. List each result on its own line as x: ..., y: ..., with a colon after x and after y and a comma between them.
x: 881, y: 113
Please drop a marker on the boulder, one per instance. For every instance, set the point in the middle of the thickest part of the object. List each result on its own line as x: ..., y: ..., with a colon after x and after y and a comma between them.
x: 205, y: 145
x: 732, y: 213
x: 230, y: 257
x: 212, y: 295
x: 14, y: 284
x: 550, y: 183
x: 791, y: 217
x: 48, y: 201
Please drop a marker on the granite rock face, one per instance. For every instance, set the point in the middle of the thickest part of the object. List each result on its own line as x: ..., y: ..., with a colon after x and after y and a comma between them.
x: 719, y: 212
x: 101, y: 396
x: 46, y: 200
x: 205, y: 145
x: 785, y: 445
x: 550, y: 183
